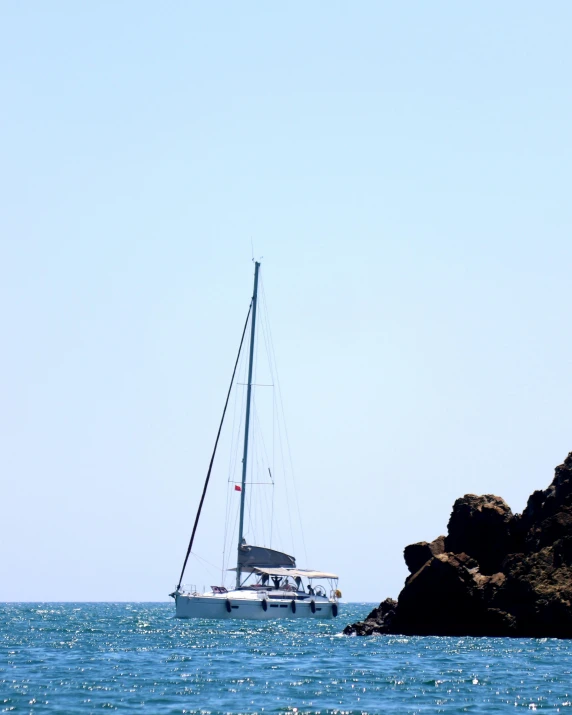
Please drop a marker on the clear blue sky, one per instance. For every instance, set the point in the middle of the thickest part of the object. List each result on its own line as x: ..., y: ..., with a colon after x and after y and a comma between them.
x: 403, y: 168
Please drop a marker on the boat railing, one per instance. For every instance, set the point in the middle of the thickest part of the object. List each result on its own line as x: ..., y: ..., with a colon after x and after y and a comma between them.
x: 190, y: 588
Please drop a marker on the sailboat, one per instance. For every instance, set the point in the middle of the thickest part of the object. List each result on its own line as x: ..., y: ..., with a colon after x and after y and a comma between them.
x: 268, y: 583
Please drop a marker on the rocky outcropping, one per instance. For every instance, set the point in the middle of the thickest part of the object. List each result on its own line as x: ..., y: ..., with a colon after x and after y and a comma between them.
x: 495, y: 573
x: 418, y: 554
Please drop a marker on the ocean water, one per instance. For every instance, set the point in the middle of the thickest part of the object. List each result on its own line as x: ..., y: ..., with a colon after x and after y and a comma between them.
x: 133, y: 657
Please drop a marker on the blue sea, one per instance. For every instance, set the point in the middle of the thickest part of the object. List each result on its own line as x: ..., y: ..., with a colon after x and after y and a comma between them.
x: 135, y: 657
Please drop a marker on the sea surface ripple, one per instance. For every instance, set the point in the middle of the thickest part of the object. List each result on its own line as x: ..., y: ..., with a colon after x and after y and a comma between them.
x: 135, y: 657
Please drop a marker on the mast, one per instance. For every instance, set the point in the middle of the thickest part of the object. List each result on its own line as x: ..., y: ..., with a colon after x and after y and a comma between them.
x: 247, y: 420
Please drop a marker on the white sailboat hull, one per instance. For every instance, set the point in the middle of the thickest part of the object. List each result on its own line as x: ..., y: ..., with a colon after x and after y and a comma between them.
x: 241, y: 605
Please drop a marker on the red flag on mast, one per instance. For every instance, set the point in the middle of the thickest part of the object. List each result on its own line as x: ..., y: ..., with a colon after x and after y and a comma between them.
x: 237, y: 488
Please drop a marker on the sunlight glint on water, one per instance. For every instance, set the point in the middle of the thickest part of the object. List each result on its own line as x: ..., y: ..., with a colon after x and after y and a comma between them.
x: 82, y: 658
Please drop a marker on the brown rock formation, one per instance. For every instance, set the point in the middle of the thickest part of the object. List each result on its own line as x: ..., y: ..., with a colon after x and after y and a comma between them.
x: 416, y: 555
x: 494, y: 574
x: 480, y: 526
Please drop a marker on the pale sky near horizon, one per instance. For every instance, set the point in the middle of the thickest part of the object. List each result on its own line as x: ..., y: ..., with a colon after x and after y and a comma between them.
x: 403, y: 168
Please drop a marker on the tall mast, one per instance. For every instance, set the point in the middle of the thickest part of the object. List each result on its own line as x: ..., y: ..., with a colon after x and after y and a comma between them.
x: 247, y: 420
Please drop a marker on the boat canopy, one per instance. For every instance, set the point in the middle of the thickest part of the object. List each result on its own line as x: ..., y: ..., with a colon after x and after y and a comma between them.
x: 302, y: 573
x: 254, y: 556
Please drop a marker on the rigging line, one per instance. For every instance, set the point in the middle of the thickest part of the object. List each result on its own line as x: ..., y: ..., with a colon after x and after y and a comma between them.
x: 273, y: 371
x: 250, y: 466
x: 261, y: 496
x: 214, y: 450
x: 233, y: 433
x: 226, y: 524
x: 261, y: 436
x: 273, y: 462
x: 254, y: 438
x: 277, y: 380
x: 233, y: 457
x: 271, y: 508
x: 256, y: 502
x: 224, y: 537
x: 266, y: 512
x: 257, y: 495
x: 233, y: 461
x: 227, y: 506
x: 232, y: 534
x: 239, y: 402
x: 281, y: 444
x: 207, y: 563
x: 262, y: 462
x: 262, y: 501
x: 268, y: 354
x: 283, y: 433
x: 264, y: 324
x: 261, y: 456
